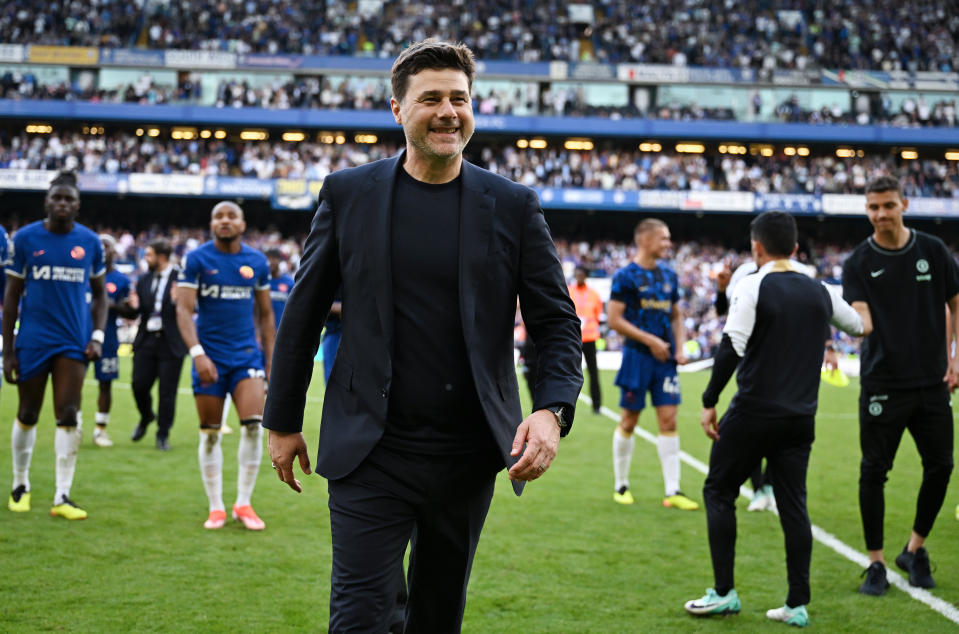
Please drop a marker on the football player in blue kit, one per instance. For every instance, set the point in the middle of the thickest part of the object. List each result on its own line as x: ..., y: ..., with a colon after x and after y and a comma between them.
x: 643, y: 307
x: 54, y: 264
x: 280, y: 283
x: 4, y: 255
x: 106, y: 369
x: 228, y: 283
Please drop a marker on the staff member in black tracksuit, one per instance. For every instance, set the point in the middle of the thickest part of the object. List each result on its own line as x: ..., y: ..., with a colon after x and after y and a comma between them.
x: 905, y: 278
x: 778, y: 319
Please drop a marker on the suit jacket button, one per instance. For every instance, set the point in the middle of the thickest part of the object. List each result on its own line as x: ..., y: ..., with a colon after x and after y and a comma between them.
x: 384, y: 393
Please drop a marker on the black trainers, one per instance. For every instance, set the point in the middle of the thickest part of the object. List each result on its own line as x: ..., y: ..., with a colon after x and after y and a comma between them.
x: 917, y: 565
x: 876, y: 583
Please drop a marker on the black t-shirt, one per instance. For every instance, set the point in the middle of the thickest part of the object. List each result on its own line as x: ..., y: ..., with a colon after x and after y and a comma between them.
x: 434, y: 407
x: 906, y: 290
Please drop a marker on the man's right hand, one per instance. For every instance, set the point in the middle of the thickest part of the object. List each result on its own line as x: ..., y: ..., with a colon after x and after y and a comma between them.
x: 723, y: 276
x: 206, y: 370
x: 283, y: 447
x: 11, y: 367
x: 659, y: 348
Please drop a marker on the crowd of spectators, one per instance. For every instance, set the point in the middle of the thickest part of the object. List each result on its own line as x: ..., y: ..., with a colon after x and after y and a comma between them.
x: 373, y: 93
x: 108, y: 23
x: 783, y: 34
x: 912, y: 113
x: 17, y: 85
x: 128, y: 153
x: 621, y: 168
x: 629, y: 169
x: 697, y: 264
x: 307, y: 92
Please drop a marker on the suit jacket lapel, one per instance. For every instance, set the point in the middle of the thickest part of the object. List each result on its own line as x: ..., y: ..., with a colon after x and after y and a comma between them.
x: 377, y: 227
x: 476, y: 219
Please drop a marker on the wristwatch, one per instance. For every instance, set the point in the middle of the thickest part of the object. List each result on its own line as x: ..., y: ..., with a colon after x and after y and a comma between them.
x: 559, y: 412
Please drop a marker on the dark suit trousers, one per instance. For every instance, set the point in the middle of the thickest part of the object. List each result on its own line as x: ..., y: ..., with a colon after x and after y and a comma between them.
x: 153, y: 360
x: 589, y: 354
x: 439, y: 502
x: 743, y: 442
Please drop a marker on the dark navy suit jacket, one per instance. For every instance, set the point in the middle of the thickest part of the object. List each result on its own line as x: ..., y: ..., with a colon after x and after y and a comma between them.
x: 505, y: 252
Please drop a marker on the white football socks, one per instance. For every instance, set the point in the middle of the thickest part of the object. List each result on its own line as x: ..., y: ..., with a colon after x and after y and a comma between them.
x: 66, y: 442
x: 248, y: 457
x: 211, y: 467
x: 668, y: 447
x: 102, y: 418
x: 622, y: 456
x: 22, y: 441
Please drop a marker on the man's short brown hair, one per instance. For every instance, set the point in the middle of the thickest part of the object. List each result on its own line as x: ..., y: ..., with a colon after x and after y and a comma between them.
x: 430, y: 54
x: 885, y: 183
x: 648, y: 225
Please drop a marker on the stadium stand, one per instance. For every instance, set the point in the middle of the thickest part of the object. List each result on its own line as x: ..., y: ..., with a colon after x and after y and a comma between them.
x: 735, y: 33
x: 613, y: 167
x: 353, y: 93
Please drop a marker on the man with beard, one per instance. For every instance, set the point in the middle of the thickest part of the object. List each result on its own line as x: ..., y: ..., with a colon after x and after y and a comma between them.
x: 228, y: 283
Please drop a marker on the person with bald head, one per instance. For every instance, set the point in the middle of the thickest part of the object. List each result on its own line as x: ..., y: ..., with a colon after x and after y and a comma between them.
x: 227, y: 283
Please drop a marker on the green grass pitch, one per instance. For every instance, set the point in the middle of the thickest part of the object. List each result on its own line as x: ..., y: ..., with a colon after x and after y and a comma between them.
x: 562, y: 558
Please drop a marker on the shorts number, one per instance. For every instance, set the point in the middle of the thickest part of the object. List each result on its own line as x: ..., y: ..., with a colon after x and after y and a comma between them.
x: 110, y: 365
x: 671, y: 385
x: 256, y: 374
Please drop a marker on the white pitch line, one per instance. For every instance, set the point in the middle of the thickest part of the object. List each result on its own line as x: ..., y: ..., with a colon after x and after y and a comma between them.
x: 822, y: 536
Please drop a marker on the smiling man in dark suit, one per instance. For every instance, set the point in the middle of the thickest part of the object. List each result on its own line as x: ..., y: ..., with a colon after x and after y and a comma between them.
x: 158, y: 348
x: 422, y: 408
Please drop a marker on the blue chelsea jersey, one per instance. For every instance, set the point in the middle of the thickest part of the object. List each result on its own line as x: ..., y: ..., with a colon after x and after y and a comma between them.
x: 280, y: 288
x: 225, y: 283
x: 118, y: 290
x: 4, y: 256
x: 56, y: 271
x: 649, y: 295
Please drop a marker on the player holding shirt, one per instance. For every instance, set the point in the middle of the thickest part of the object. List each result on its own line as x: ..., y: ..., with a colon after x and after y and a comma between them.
x: 54, y: 264
x: 644, y: 308
x: 228, y: 283
x: 106, y: 369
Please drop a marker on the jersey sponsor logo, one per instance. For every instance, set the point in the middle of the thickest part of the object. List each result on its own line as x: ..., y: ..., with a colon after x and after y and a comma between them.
x: 58, y: 273
x: 655, y: 304
x: 111, y: 287
x: 77, y: 252
x: 922, y: 266
x: 217, y: 291
x: 924, y: 278
x: 877, y: 273
x: 246, y: 272
x: 277, y: 296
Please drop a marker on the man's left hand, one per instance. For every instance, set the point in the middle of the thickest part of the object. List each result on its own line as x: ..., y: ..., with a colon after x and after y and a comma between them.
x: 539, y: 432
